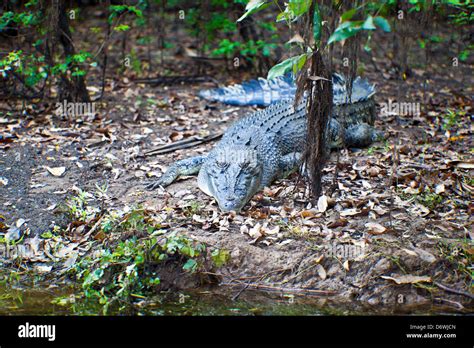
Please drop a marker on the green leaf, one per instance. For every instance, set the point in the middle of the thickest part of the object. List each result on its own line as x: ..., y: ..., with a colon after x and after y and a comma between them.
x: 299, y: 7
x: 464, y: 55
x: 47, y: 235
x: 294, y: 9
x: 78, y: 73
x: 341, y: 35
x: 122, y: 27
x: 369, y: 24
x: 139, y: 259
x: 317, y: 25
x: 282, y: 68
x: 382, y: 23
x: 220, y: 257
x: 252, y: 7
x: 190, y: 265
x: 346, y: 16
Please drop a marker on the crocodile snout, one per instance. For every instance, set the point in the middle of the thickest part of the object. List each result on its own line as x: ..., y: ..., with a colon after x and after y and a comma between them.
x: 230, y: 204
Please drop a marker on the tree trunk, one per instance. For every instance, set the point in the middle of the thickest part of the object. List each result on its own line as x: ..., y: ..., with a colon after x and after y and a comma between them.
x: 319, y: 108
x: 71, y: 89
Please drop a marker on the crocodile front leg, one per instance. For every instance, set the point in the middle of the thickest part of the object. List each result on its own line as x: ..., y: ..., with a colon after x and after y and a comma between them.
x: 290, y: 162
x: 186, y: 166
x: 356, y: 135
x: 286, y: 165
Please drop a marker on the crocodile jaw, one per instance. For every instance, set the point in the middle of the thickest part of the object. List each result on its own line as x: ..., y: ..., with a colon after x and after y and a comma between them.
x: 205, y: 186
x: 225, y: 202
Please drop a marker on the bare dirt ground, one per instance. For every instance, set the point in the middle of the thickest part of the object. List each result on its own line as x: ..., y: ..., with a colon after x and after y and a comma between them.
x: 396, y: 231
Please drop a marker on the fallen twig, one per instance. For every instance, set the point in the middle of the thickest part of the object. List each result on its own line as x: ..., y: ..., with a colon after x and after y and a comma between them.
x: 182, y: 144
x: 174, y: 80
x: 454, y: 291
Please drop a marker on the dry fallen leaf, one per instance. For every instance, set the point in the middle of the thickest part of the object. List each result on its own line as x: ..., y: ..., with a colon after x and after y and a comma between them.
x: 43, y: 268
x: 425, y: 255
x: 408, y: 279
x: 350, y: 212
x: 308, y: 214
x: 254, y: 232
x: 464, y: 165
x: 321, y: 271
x: 420, y: 209
x: 322, y: 203
x: 375, y: 228
x: 56, y: 171
x: 20, y: 222
x: 380, y: 211
x: 410, y: 252
x: 439, y: 189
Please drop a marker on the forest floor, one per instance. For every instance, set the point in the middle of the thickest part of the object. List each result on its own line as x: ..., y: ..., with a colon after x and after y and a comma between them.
x: 396, y: 232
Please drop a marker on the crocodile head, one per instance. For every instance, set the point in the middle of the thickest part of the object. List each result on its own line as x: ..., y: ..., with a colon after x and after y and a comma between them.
x: 231, y: 176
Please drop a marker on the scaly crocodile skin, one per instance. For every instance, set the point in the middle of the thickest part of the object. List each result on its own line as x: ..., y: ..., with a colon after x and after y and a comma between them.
x: 269, y: 143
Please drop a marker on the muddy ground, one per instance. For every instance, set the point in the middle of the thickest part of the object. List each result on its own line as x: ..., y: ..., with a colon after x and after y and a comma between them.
x: 396, y: 231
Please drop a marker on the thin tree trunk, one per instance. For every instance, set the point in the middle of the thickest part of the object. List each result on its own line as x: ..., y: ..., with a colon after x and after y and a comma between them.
x: 319, y: 109
x: 73, y: 89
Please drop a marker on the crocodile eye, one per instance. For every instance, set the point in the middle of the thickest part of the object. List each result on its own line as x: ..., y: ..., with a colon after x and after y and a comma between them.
x: 244, y: 164
x: 221, y: 165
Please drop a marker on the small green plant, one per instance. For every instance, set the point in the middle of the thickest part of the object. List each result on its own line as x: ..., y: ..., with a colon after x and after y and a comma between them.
x: 194, y: 207
x: 126, y: 270
x: 78, y: 208
x: 379, y: 148
x: 459, y: 254
x: 220, y: 257
x: 452, y: 119
x: 430, y: 199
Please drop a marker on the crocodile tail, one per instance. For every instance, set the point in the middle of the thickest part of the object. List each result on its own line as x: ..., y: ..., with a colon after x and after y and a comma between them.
x: 362, y: 90
x: 262, y: 92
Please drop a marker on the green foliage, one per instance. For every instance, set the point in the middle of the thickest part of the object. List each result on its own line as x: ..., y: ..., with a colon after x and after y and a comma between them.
x: 220, y: 29
x: 117, y: 10
x: 347, y: 28
x: 249, y: 50
x: 466, y: 52
x: 11, y: 62
x: 136, y: 63
x: 430, y: 199
x: 252, y: 7
x: 459, y: 254
x: 452, y: 118
x: 22, y: 19
x: 294, y: 63
x: 125, y: 271
x: 218, y: 23
x: 220, y: 257
x: 294, y: 10
x: 128, y: 268
x: 78, y: 208
x: 317, y: 25
x: 122, y: 27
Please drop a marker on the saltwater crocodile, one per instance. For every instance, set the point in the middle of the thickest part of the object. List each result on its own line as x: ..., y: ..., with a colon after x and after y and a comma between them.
x: 268, y: 144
